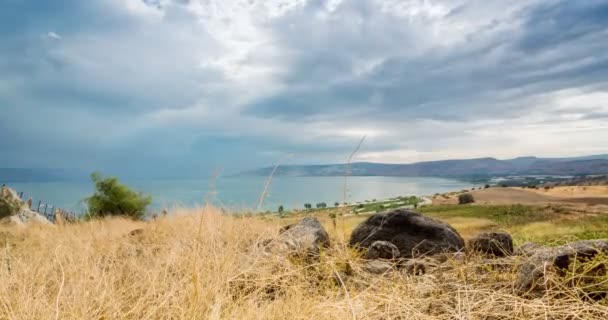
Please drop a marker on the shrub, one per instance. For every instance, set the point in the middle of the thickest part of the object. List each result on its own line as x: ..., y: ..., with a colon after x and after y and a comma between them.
x: 114, y: 198
x: 336, y: 204
x: 465, y: 198
x: 487, y: 186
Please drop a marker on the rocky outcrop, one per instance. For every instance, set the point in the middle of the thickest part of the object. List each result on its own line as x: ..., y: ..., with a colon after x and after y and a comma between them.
x: 412, y: 233
x: 532, y: 272
x: 14, y: 211
x: 382, y: 250
x: 497, y: 244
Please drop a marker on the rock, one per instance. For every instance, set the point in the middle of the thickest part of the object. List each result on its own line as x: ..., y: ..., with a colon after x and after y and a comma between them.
x: 305, y: 237
x: 25, y: 217
x: 414, y: 267
x: 498, y: 244
x: 459, y: 257
x: 378, y: 266
x: 14, y: 211
x: 136, y: 232
x: 412, y: 233
x: 382, y: 250
x: 528, y: 249
x: 532, y: 272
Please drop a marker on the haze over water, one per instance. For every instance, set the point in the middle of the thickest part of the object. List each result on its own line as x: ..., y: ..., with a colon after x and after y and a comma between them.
x: 242, y: 193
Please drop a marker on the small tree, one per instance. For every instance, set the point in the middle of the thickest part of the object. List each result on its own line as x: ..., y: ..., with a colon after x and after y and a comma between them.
x: 307, y: 206
x: 336, y: 204
x: 487, y: 186
x: 465, y: 198
x: 281, y: 209
x: 321, y: 205
x: 113, y: 198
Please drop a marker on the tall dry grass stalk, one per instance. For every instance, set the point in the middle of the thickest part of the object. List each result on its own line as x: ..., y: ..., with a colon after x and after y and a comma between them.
x: 104, y: 269
x: 345, y: 188
x: 269, y: 182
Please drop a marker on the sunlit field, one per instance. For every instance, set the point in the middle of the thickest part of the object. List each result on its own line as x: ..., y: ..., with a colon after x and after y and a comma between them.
x: 200, y: 264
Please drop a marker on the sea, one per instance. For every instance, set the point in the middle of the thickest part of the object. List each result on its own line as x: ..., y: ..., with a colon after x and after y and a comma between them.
x: 243, y: 193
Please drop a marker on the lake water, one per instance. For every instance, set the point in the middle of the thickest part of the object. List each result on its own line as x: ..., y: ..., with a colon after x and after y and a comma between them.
x: 242, y: 193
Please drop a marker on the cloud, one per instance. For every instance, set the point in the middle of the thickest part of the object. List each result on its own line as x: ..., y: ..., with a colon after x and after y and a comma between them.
x: 186, y: 86
x: 53, y: 36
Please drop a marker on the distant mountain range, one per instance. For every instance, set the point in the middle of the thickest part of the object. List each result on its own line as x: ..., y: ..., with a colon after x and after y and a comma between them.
x: 469, y: 168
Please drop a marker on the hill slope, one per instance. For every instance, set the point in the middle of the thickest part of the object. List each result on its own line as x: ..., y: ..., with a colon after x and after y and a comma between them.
x: 590, y: 165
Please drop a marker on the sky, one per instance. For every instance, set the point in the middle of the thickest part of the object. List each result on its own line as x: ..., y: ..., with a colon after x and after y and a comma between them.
x: 184, y: 87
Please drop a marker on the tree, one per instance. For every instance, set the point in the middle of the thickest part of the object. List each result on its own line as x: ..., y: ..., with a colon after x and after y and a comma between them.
x: 321, y: 205
x: 307, y: 206
x: 114, y: 198
x: 465, y: 198
x: 487, y: 186
x: 336, y: 204
x: 281, y: 209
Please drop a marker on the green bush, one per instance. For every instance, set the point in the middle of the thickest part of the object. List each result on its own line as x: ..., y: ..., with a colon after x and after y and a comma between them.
x: 465, y: 198
x: 114, y: 198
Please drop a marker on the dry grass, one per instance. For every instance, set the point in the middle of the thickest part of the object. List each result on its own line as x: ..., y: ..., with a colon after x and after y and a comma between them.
x: 168, y: 270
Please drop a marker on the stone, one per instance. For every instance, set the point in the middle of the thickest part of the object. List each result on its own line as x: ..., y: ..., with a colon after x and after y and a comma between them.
x: 412, y: 233
x: 532, y: 272
x: 14, y: 211
x: 499, y: 244
x: 305, y: 238
x: 528, y: 249
x: 382, y: 250
x: 136, y: 232
x: 378, y: 266
x: 415, y: 267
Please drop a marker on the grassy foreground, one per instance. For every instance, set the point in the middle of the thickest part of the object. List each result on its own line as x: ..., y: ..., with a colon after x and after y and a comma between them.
x: 200, y: 264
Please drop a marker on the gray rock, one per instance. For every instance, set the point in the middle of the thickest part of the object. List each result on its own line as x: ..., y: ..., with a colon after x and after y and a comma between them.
x: 305, y: 237
x: 382, y: 250
x: 415, y: 267
x: 528, y: 249
x: 14, y: 211
x: 412, y: 233
x: 532, y: 272
x: 498, y: 244
x: 378, y: 266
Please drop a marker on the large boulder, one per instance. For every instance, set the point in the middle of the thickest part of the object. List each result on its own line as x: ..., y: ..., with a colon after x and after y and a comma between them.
x: 412, y: 233
x: 14, y: 211
x: 532, y: 272
x: 498, y: 244
x: 305, y: 237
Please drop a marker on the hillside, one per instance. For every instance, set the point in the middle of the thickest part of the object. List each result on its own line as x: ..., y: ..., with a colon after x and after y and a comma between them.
x: 480, y: 167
